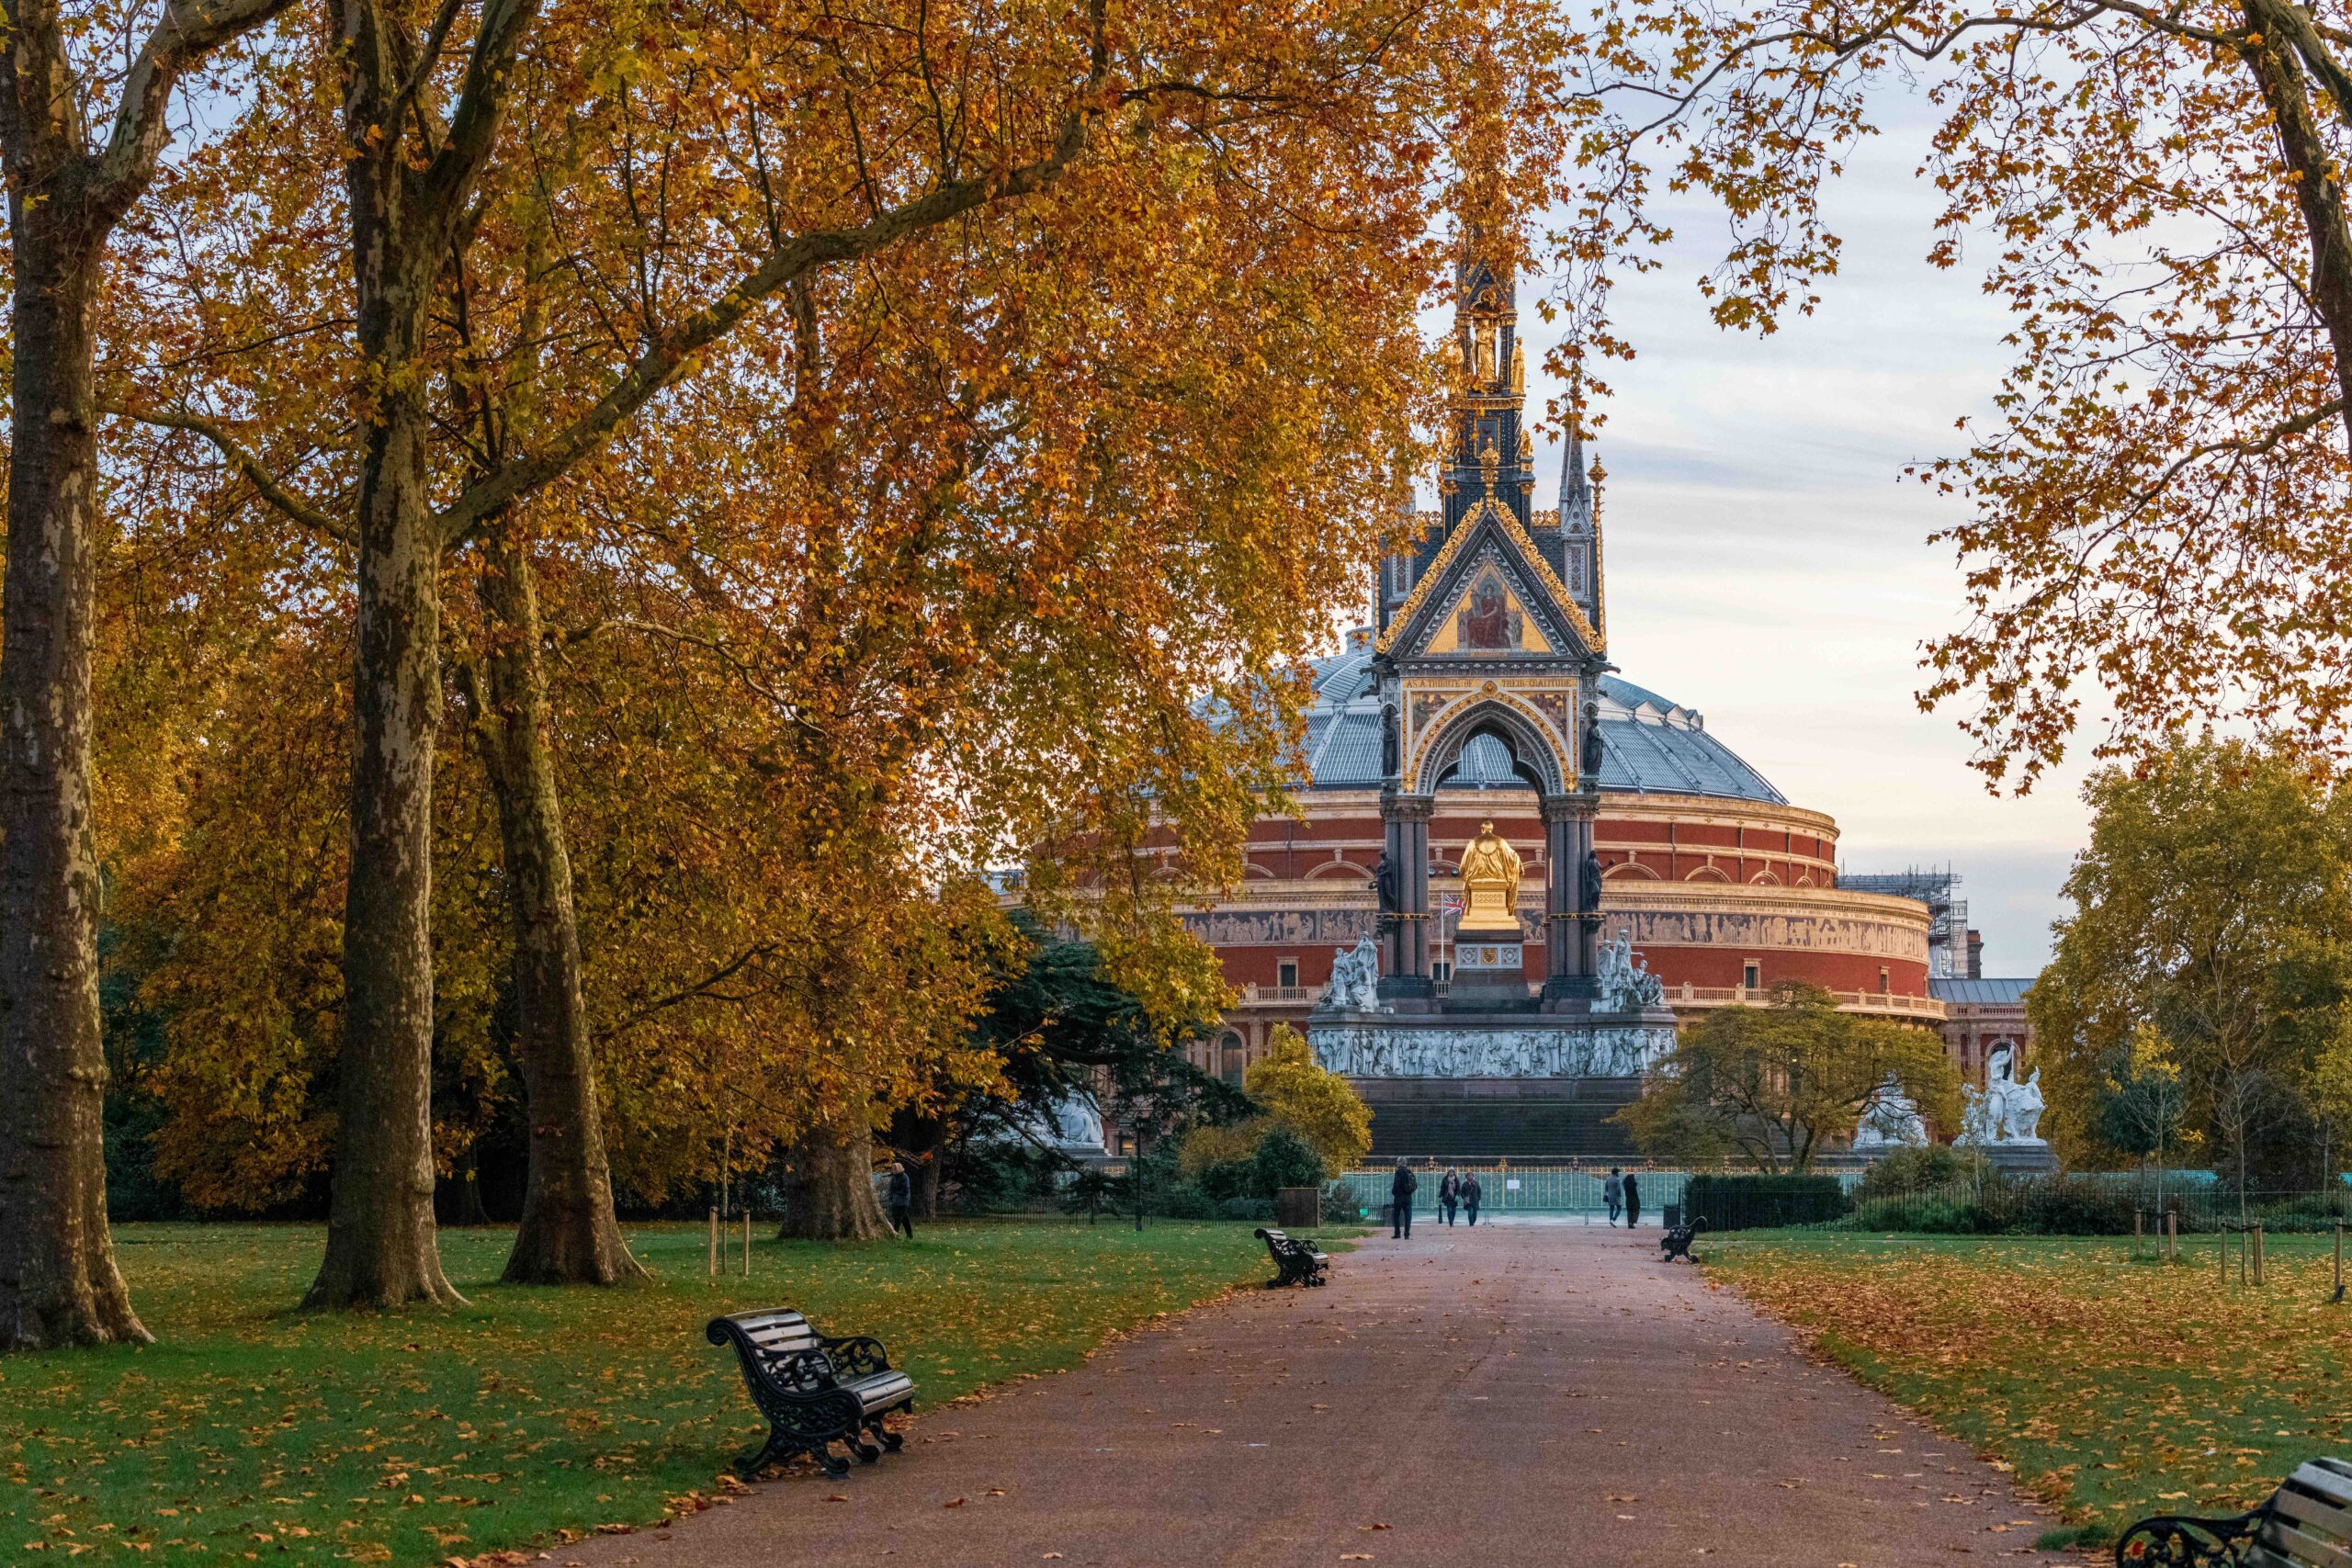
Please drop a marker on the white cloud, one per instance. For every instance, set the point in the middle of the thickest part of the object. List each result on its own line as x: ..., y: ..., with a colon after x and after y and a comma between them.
x: 1769, y: 564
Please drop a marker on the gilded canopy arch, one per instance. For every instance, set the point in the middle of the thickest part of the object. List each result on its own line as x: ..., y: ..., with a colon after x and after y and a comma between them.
x: 1535, y: 750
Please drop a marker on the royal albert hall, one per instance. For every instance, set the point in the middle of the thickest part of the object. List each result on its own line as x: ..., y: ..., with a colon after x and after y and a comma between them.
x: 1725, y: 886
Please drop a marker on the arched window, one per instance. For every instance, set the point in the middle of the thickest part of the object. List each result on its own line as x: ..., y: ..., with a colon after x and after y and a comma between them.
x: 1232, y: 1057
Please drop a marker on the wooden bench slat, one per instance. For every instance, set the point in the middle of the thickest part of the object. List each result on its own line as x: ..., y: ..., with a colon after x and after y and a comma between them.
x: 2324, y: 1479
x: 2324, y: 1514
x: 2306, y: 1550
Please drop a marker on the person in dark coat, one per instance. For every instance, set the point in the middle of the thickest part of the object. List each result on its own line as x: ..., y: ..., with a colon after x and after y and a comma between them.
x: 1449, y: 1194
x: 1400, y: 1204
x: 1471, y: 1194
x: 1632, y: 1201
x: 902, y: 1200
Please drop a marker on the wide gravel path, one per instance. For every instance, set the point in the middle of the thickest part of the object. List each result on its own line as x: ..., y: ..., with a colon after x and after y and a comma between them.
x: 1519, y: 1394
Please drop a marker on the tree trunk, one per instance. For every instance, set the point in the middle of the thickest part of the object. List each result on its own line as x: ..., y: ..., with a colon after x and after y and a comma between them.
x: 461, y: 1196
x: 570, y: 1235
x: 828, y: 1186
x: 381, y: 1247
x: 921, y: 1140
x: 58, y: 1281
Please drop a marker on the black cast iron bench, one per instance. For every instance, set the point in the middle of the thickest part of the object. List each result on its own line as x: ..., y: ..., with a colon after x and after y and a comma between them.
x: 1676, y: 1242
x: 2307, y: 1523
x: 1295, y: 1262
x: 815, y: 1391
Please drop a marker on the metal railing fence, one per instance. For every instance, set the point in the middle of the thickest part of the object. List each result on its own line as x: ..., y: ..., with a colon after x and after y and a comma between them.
x: 1843, y: 1198
x: 1568, y: 1191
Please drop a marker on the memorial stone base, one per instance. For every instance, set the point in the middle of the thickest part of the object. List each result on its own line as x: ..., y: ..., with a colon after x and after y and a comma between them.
x: 1500, y: 1082
x: 2034, y: 1158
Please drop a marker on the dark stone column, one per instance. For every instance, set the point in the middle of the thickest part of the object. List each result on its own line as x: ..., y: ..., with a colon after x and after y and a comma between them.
x: 1570, y: 930
x: 1561, y: 865
x: 1588, y: 960
x: 1406, y: 954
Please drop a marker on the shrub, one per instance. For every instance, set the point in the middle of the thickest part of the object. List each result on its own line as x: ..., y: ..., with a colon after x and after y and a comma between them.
x: 1090, y: 1192
x: 1284, y: 1159
x: 1746, y: 1203
x: 1208, y: 1147
x: 1255, y: 1209
x: 1229, y: 1179
x: 1341, y: 1204
x: 2068, y: 1205
x: 2311, y: 1212
x: 1182, y: 1202
x: 1924, y: 1212
x: 1908, y: 1170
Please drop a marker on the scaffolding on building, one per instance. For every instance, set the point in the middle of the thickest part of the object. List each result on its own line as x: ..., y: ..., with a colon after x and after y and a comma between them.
x: 1948, y: 947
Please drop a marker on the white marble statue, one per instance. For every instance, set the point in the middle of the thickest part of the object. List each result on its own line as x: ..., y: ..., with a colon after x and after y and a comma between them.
x: 2006, y: 1110
x: 1891, y: 1121
x: 1626, y: 984
x: 1074, y: 1125
x: 1355, y: 978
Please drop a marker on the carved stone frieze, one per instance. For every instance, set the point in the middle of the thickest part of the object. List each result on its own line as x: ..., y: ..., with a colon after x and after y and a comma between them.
x: 1561, y: 1048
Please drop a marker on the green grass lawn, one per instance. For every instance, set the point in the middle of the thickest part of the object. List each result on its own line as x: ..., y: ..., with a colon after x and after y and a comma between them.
x: 2115, y: 1385
x: 250, y: 1431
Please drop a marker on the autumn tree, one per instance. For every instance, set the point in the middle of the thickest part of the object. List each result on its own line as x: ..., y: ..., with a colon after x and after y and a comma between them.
x: 2144, y: 1104
x: 2211, y: 907
x: 1056, y: 1024
x: 67, y: 67
x: 2158, y: 504
x: 1318, y: 1104
x: 1104, y: 205
x: 1783, y: 1083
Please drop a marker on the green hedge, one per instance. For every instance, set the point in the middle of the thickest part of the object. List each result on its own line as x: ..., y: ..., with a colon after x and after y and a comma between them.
x: 1751, y: 1203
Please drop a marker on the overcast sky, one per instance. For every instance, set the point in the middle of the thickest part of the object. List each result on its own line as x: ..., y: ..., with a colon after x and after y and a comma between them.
x: 1767, y: 565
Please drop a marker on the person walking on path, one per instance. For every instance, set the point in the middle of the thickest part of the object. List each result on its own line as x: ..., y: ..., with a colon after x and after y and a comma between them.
x: 1400, y: 1204
x: 902, y: 1200
x: 1613, y: 1192
x: 1632, y: 1201
x: 1449, y: 1194
x: 1470, y: 1196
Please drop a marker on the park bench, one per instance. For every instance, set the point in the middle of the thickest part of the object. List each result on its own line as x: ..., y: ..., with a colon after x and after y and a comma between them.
x: 1295, y: 1262
x: 2307, y: 1523
x: 1676, y: 1242
x: 814, y: 1390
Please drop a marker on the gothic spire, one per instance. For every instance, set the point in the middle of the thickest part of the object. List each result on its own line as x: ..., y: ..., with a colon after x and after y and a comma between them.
x: 1492, y: 455
x: 1576, y: 490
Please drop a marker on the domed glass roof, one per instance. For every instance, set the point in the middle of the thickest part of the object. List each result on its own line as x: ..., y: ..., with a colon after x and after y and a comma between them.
x: 1649, y: 745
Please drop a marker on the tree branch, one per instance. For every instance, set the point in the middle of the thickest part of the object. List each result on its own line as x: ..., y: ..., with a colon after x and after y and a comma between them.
x: 185, y: 30
x: 701, y: 988
x: 666, y: 360
x: 234, y: 453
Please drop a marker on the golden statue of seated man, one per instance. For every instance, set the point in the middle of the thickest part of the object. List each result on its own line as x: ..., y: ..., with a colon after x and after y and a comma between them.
x: 1490, y: 888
